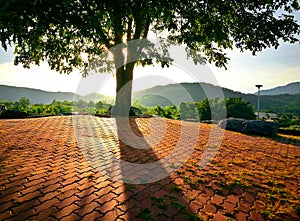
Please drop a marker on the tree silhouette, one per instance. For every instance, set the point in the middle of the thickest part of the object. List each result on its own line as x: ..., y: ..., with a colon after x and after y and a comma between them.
x: 74, y: 34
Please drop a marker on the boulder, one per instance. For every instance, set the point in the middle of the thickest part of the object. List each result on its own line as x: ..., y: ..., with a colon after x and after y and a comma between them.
x: 235, y: 124
x: 261, y: 127
x: 250, y: 126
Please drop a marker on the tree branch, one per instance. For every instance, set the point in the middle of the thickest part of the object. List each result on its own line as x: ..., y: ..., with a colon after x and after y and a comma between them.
x: 129, y: 29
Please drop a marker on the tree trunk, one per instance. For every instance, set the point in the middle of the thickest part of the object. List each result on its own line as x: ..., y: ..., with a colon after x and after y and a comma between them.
x: 124, y: 77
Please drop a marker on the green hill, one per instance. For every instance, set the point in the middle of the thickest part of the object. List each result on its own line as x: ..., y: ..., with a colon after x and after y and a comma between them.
x: 292, y: 88
x: 35, y: 96
x: 174, y: 94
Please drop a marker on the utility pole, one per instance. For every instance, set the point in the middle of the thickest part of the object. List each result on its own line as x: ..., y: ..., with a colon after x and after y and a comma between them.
x: 258, y: 98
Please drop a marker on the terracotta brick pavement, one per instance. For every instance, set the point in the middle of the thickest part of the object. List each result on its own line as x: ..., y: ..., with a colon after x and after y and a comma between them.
x: 47, y: 173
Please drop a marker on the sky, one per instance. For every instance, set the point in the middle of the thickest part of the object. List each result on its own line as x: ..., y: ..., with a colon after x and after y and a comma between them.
x: 271, y: 68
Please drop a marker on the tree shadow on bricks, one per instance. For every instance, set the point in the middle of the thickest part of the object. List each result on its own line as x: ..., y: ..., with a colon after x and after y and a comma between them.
x: 150, y: 154
x: 140, y: 168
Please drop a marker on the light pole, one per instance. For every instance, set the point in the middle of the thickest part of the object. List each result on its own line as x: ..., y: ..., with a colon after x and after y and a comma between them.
x: 258, y: 96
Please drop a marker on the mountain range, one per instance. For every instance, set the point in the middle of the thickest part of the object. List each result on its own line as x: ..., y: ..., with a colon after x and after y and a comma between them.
x: 174, y: 94
x: 292, y: 88
x: 35, y: 96
x: 279, y: 99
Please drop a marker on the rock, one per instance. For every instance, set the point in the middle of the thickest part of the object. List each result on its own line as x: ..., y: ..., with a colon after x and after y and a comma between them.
x: 262, y: 127
x: 235, y: 124
x: 250, y: 126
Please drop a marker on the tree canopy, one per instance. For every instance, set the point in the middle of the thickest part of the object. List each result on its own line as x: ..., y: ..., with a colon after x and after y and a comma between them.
x: 59, y: 31
x: 73, y: 34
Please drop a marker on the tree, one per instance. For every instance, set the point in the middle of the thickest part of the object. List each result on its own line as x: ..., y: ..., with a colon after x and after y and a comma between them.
x: 188, y: 111
x: 236, y: 107
x: 204, y: 109
x: 74, y: 34
x: 24, y: 103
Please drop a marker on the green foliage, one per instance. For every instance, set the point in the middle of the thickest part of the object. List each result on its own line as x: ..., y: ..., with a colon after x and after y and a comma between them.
x: 56, y: 107
x: 289, y: 121
x: 99, y: 105
x: 188, y: 111
x: 216, y: 108
x: 60, y: 32
x: 167, y: 112
x: 23, y: 102
x: 208, y: 109
x: 203, y: 109
x: 236, y: 107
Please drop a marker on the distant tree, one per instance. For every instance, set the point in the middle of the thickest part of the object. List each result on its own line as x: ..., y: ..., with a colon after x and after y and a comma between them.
x: 91, y: 104
x: 188, y: 111
x: 81, y: 104
x: 236, y: 107
x: 203, y: 109
x: 72, y: 34
x: 23, y: 102
x: 170, y: 112
x: 99, y: 105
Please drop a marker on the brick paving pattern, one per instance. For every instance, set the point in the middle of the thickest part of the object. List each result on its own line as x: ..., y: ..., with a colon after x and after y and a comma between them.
x: 46, y: 174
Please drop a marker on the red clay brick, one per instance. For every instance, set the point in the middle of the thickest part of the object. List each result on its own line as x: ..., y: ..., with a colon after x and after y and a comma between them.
x: 44, y: 214
x: 28, y: 196
x: 210, y: 209
x: 89, y: 197
x: 48, y: 196
x: 244, y: 206
x: 24, y: 215
x: 66, y: 211
x: 66, y: 194
x: 34, y: 182
x: 84, y: 192
x: 170, y: 212
x: 94, y: 216
x: 67, y: 201
x: 109, y: 206
x: 232, y: 199
x: 241, y: 216
x: 5, y: 206
x: 51, y: 184
x: 228, y: 206
x: 202, y: 199
x: 217, y: 199
x: 87, y: 208
x: 72, y: 186
x: 25, y: 206
x: 70, y: 180
x: 219, y: 217
x: 5, y: 215
x: 248, y: 197
x: 46, y: 205
x: 71, y: 217
x: 254, y: 216
x: 52, y: 188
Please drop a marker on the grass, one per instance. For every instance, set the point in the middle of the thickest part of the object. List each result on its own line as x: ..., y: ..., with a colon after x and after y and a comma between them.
x: 145, y: 214
x: 177, y: 205
x: 190, y: 182
x: 176, y: 188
